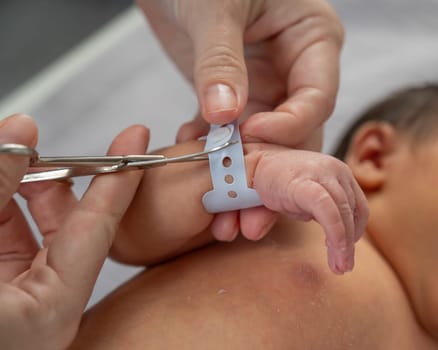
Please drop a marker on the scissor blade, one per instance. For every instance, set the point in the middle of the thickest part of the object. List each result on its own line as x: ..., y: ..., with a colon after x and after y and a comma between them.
x: 85, y: 166
x: 65, y: 173
x: 92, y: 161
x: 56, y: 174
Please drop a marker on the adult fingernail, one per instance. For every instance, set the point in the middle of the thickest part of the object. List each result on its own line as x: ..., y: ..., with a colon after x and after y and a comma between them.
x: 265, y: 230
x: 226, y: 236
x: 220, y: 98
x: 235, y: 233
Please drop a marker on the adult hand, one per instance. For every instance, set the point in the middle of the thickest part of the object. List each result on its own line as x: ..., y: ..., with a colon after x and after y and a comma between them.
x: 276, y: 61
x: 43, y: 292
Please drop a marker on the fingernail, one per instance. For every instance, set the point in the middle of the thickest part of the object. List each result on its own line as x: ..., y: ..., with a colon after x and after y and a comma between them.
x: 332, y: 263
x: 236, y: 233
x: 344, y: 260
x: 265, y: 229
x: 227, y: 236
x: 220, y: 98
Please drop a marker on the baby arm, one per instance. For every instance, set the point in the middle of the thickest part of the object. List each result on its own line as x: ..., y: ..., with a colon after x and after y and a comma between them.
x: 167, y: 218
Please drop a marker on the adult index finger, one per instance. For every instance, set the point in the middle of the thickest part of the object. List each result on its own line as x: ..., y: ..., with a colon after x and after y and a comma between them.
x: 82, y: 243
x: 312, y: 87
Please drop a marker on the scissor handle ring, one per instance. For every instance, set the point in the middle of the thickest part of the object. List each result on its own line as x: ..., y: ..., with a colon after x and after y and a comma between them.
x: 18, y: 149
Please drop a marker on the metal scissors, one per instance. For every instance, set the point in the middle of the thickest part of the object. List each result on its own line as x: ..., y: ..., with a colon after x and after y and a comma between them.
x: 65, y: 167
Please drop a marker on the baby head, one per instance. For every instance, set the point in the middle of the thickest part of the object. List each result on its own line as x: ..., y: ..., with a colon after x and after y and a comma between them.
x: 412, y: 112
x: 392, y: 150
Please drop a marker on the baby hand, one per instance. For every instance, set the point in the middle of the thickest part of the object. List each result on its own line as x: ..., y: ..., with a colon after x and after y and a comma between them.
x: 308, y: 185
x: 167, y: 218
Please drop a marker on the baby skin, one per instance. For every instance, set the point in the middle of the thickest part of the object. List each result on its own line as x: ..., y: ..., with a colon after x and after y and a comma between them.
x: 300, y: 184
x: 276, y: 293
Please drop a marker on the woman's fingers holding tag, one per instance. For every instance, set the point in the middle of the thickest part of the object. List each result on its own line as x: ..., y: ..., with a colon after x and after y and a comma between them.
x: 256, y: 223
x: 225, y: 226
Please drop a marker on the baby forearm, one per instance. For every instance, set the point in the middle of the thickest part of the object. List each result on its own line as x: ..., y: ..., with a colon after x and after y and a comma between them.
x: 166, y: 216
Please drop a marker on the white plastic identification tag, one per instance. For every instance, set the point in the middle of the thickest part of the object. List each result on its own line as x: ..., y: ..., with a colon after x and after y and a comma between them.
x: 227, y: 168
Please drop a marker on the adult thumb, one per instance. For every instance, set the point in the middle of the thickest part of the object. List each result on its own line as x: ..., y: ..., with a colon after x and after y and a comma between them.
x: 19, y: 129
x: 220, y: 75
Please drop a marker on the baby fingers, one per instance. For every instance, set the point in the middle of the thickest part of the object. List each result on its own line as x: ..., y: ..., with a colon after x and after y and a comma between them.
x: 329, y: 205
x: 308, y: 185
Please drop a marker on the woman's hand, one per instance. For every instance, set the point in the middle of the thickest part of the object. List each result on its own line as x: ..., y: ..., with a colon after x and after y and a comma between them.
x: 274, y: 61
x: 43, y: 292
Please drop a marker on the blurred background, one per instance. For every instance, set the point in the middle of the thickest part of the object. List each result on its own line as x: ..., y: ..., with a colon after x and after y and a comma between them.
x: 35, y: 33
x: 85, y: 69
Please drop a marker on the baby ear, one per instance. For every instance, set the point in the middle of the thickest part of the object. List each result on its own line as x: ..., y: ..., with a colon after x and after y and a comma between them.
x: 369, y: 149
